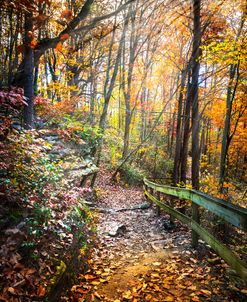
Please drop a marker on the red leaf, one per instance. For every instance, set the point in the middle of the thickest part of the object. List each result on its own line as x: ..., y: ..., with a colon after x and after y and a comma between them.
x: 66, y: 14
x: 64, y: 37
x: 41, y: 291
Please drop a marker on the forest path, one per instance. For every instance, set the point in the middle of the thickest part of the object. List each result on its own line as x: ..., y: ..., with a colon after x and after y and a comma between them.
x: 138, y: 260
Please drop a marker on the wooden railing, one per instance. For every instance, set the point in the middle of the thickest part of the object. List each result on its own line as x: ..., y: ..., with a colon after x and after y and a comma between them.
x: 235, y: 215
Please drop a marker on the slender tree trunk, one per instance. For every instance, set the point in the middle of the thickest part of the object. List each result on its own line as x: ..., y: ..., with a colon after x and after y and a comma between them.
x: 195, y: 109
x: 177, y: 156
x: 127, y: 92
x: 186, y: 134
x: 172, y: 136
x: 35, y: 80
x: 27, y: 74
x: 92, y: 91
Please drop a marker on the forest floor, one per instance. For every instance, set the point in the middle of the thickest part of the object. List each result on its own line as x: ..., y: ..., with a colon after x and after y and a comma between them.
x: 138, y: 257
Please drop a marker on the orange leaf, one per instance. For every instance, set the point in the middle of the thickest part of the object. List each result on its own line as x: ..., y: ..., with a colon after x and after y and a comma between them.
x: 90, y: 277
x: 33, y: 43
x: 66, y: 14
x: 59, y: 46
x: 196, y: 299
x: 41, y: 291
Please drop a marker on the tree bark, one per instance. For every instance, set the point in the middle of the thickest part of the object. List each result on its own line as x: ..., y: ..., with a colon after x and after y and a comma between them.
x: 127, y: 93
x: 195, y: 108
x: 177, y: 156
x: 27, y: 73
x: 186, y: 133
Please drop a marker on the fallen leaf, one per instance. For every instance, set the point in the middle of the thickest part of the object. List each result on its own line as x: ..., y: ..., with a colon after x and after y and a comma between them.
x: 192, y: 287
x: 79, y: 290
x: 193, y: 260
x: 90, y: 277
x: 12, y: 291
x: 157, y: 263
x: 95, y: 283
x: 155, y: 275
x: 148, y: 297
x: 206, y: 292
x: 97, y: 295
x: 103, y: 280
x: 195, y: 298
x: 41, y: 291
x: 127, y: 295
x: 169, y: 299
x: 30, y: 271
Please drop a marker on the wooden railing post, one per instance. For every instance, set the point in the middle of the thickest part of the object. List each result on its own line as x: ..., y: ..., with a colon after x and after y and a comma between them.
x: 158, y: 208
x: 196, y: 218
x: 172, y: 203
x: 145, y: 189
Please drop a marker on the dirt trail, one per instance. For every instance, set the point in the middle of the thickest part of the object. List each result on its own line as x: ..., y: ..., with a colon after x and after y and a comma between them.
x: 137, y: 259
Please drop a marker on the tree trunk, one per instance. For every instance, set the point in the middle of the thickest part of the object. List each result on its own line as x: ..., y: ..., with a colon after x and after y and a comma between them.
x: 186, y: 133
x: 127, y: 92
x: 177, y: 156
x: 195, y: 109
x: 27, y: 73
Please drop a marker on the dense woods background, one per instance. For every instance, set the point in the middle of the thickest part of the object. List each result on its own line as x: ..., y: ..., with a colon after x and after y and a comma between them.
x: 150, y: 88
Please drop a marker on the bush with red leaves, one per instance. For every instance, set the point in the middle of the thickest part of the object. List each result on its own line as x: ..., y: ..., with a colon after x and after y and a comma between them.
x: 11, y: 103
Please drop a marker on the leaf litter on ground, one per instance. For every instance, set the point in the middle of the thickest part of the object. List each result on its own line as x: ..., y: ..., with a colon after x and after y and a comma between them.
x: 147, y: 262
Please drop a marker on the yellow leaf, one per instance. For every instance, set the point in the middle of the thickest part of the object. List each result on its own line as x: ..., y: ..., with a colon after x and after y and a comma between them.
x: 169, y: 299
x: 102, y: 280
x: 192, y: 287
x: 155, y: 275
x: 157, y: 263
x: 95, y: 283
x: 206, y: 292
x: 11, y: 290
x: 127, y: 295
x: 103, y: 274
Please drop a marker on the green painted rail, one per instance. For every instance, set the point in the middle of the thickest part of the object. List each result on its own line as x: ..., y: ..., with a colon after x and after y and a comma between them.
x: 237, y: 216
